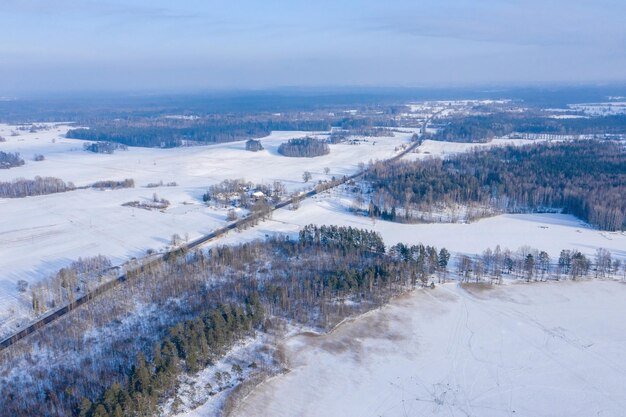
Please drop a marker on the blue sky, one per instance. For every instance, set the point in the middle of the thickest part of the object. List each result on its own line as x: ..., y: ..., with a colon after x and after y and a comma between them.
x: 49, y: 45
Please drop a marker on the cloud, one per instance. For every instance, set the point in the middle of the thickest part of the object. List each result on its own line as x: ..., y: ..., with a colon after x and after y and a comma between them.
x: 530, y: 23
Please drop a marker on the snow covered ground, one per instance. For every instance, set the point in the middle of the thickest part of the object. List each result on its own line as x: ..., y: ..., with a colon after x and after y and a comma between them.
x: 41, y: 234
x: 609, y: 108
x: 549, y: 232
x: 515, y: 348
x: 202, y: 395
x: 190, y: 166
x: 544, y: 349
x: 433, y: 148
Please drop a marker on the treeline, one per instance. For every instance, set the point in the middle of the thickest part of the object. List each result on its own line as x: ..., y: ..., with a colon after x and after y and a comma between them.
x: 113, y: 185
x: 584, y: 178
x: 336, y: 236
x: 68, y: 283
x: 22, y: 187
x: 483, y: 128
x: 156, y: 203
x: 531, y: 264
x: 307, y: 147
x: 168, y: 133
x: 10, y: 160
x: 104, y: 147
x: 342, y: 135
x: 123, y: 351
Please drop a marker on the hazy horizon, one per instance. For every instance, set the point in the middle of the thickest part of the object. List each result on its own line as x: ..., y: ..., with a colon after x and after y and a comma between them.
x: 75, y: 45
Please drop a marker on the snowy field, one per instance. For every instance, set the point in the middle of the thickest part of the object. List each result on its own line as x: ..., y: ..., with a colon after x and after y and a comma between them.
x: 432, y: 148
x: 609, y: 108
x: 544, y: 349
x: 514, y: 350
x: 549, y: 232
x: 190, y: 166
x: 40, y: 234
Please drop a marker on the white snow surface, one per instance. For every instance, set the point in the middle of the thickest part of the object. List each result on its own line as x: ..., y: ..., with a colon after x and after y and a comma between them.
x: 39, y: 235
x: 526, y: 350
x: 198, y: 399
x: 601, y: 109
x: 550, y: 232
x: 544, y: 349
x: 433, y: 148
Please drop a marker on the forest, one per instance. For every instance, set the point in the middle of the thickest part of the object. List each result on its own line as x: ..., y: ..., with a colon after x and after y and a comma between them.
x: 168, y: 133
x: 483, y: 128
x: 124, y: 352
x: 152, y: 129
x: 136, y: 340
x: 307, y: 147
x: 583, y: 178
x: 22, y: 187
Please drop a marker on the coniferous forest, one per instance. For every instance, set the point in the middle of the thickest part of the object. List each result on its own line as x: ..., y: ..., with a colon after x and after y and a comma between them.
x: 304, y: 148
x: 483, y: 128
x: 171, y: 133
x: 583, y: 178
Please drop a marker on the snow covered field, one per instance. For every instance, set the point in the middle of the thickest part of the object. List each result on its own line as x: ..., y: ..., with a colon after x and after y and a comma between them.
x: 544, y: 349
x: 514, y: 350
x: 41, y: 234
x: 432, y: 148
x: 549, y: 232
x: 601, y: 109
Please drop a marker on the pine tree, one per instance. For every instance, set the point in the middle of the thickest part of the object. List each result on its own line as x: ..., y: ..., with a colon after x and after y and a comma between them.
x: 85, y: 408
x: 100, y: 411
x: 529, y: 266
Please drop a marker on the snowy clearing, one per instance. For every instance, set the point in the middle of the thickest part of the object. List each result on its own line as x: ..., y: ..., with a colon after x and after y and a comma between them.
x: 434, y: 148
x: 601, y: 109
x: 547, y: 349
x: 549, y: 232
